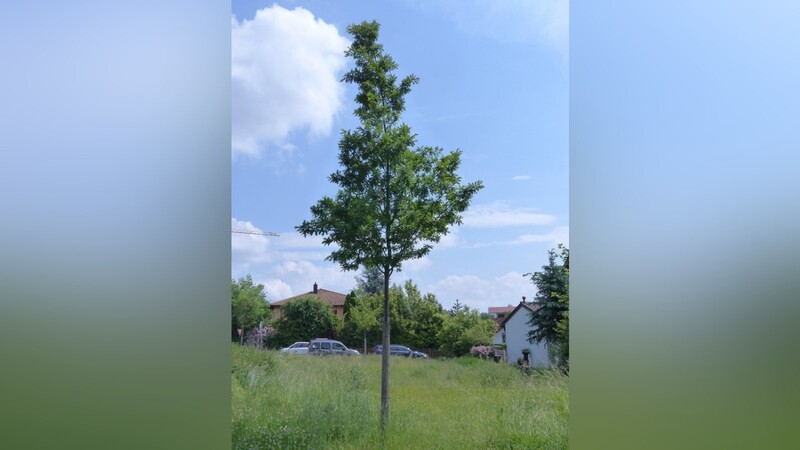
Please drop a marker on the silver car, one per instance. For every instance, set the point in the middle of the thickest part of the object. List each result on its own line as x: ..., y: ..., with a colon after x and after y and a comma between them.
x: 297, y: 347
x: 321, y: 346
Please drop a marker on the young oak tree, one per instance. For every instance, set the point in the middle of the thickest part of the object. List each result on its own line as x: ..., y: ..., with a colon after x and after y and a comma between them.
x: 395, y: 199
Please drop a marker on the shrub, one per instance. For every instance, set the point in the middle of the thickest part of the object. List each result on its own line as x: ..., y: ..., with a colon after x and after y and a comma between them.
x: 482, y: 351
x: 259, y: 338
x: 304, y: 319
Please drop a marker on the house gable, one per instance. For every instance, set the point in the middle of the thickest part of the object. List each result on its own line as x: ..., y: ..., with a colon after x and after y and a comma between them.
x: 516, y: 327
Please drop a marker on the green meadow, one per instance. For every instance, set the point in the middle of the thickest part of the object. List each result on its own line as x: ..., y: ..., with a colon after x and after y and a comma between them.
x: 283, y: 401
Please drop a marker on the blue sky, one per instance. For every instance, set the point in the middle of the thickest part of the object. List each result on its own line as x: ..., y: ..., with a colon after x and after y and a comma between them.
x: 493, y: 83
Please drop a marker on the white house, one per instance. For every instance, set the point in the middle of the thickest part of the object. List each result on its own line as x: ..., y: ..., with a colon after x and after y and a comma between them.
x: 516, y: 329
x: 498, y: 313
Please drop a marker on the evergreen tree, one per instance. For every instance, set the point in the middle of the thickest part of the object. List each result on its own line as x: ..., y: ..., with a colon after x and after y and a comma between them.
x: 552, y: 303
x: 371, y: 280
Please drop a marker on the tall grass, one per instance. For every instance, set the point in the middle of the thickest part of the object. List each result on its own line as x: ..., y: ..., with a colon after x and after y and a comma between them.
x: 286, y: 401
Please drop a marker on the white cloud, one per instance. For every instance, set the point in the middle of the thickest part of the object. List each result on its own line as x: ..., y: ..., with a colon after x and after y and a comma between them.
x: 295, y: 240
x: 293, y: 246
x: 416, y: 265
x: 521, y: 178
x: 522, y: 21
x: 247, y: 249
x: 559, y: 235
x: 496, y: 215
x: 285, y: 71
x: 301, y: 275
x: 275, y: 289
x: 481, y: 293
x: 449, y: 240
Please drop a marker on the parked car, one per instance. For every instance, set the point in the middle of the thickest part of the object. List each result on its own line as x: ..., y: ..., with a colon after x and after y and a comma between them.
x: 297, y: 347
x: 399, y: 350
x: 322, y: 346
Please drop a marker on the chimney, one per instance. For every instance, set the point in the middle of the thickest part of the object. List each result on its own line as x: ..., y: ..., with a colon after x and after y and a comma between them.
x: 523, y: 299
x: 315, y: 287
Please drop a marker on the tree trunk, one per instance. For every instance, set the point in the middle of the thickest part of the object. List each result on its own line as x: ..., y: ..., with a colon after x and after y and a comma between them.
x: 385, y: 354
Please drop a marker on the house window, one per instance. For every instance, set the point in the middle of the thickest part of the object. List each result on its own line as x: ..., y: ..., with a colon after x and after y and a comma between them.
x: 504, y: 338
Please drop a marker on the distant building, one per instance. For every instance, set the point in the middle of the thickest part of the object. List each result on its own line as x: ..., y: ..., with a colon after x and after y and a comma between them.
x: 500, y: 311
x: 334, y: 299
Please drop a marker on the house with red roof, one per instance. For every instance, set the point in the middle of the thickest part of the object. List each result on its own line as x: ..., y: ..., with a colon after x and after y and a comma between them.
x: 500, y: 311
x: 334, y: 299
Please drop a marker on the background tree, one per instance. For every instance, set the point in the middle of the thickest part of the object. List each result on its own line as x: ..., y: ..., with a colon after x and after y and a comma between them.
x: 552, y: 298
x: 457, y: 308
x: 416, y: 318
x: 371, y: 280
x: 464, y: 329
x: 304, y: 319
x: 394, y: 200
x: 249, y: 305
x: 362, y: 318
x: 425, y: 316
x: 562, y: 327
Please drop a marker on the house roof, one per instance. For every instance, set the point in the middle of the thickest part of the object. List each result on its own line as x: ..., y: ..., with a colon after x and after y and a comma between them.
x: 326, y: 296
x: 500, y: 309
x: 499, y: 322
x: 529, y: 306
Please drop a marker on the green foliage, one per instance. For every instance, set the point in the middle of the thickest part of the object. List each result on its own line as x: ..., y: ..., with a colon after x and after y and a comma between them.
x: 550, y: 321
x: 303, y: 319
x: 395, y: 200
x: 463, y: 330
x: 416, y: 318
x: 426, y: 317
x: 248, y: 304
x: 362, y: 318
x: 371, y: 281
x: 562, y: 328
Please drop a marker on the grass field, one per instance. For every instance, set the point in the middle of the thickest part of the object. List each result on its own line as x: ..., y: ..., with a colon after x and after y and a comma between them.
x: 285, y: 401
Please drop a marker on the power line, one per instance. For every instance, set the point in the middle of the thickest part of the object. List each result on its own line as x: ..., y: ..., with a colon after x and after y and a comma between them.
x: 260, y: 233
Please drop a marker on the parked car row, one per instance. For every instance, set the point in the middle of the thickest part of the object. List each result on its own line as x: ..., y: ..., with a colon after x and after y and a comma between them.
x: 322, y: 346
x: 399, y: 350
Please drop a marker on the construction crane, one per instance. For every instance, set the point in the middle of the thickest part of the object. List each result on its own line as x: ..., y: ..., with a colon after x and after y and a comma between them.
x: 260, y: 233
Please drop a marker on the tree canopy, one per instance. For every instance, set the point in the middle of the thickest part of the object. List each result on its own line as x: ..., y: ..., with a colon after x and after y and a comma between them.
x: 395, y: 199
x: 248, y: 304
x: 463, y: 329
